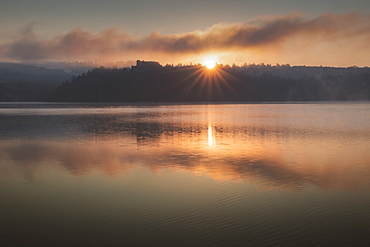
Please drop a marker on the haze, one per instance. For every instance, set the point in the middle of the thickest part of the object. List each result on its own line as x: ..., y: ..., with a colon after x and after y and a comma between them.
x: 328, y: 33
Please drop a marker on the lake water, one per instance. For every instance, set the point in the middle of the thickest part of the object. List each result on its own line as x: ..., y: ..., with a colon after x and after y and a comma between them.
x: 185, y: 175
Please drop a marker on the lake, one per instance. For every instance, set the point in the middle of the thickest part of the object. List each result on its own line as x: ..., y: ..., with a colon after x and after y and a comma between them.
x: 185, y: 175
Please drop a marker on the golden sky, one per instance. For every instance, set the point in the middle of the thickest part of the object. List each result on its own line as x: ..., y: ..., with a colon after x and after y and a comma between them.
x: 327, y: 33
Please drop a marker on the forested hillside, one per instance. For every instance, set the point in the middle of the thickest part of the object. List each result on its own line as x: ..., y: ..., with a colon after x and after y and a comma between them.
x: 154, y: 83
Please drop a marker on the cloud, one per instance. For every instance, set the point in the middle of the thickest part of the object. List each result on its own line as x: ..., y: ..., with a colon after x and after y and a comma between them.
x: 264, y: 33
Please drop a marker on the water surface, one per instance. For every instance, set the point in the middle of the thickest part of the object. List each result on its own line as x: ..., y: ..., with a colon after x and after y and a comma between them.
x: 185, y: 175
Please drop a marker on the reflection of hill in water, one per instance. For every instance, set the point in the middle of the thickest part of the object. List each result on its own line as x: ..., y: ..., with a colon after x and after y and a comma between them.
x: 263, y: 149
x: 148, y: 122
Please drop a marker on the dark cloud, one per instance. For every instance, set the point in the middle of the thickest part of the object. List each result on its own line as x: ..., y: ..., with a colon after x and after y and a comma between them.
x: 259, y: 33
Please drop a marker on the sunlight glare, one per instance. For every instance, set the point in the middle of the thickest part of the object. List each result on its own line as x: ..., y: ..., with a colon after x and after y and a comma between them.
x: 210, y: 62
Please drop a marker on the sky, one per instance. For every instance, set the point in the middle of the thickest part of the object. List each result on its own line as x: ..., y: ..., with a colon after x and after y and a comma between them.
x: 316, y: 32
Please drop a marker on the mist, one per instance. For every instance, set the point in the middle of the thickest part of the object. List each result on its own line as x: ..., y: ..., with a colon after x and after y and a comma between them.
x: 326, y: 35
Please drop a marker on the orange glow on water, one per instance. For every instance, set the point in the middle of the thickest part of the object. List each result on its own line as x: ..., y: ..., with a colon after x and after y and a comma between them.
x: 259, y: 144
x: 253, y: 158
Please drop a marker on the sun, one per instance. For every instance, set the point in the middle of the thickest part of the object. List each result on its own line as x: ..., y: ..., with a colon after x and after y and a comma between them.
x: 210, y: 62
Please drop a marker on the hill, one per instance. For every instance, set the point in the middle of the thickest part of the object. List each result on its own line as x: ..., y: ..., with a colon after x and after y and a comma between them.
x: 151, y: 82
x: 21, y: 82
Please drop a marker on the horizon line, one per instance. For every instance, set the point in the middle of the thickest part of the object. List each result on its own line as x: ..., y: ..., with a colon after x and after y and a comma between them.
x: 107, y: 64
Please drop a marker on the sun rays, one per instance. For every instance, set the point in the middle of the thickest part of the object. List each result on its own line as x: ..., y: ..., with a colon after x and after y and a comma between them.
x: 211, y: 83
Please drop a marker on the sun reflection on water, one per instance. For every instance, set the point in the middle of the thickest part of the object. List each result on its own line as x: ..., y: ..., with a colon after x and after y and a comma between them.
x: 210, y: 136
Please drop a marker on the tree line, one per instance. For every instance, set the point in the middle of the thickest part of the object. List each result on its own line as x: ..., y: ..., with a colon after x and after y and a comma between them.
x: 198, y: 84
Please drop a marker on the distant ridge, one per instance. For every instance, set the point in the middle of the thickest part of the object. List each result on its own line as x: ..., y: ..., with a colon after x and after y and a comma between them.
x: 149, y: 81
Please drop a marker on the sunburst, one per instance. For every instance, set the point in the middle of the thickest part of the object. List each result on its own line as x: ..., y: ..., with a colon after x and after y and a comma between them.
x: 211, y: 84
x: 210, y: 62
